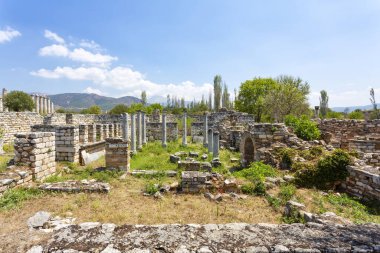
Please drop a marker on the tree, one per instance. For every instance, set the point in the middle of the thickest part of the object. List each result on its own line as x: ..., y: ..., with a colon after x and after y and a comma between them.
x: 168, y: 101
x: 119, y: 109
x: 374, y: 104
x: 288, y: 96
x: 324, y: 103
x: 143, y: 97
x: 95, y: 109
x: 225, y: 97
x: 18, y: 101
x: 217, y: 91
x: 252, y: 95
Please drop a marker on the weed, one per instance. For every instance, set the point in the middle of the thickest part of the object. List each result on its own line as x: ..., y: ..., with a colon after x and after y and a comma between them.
x: 256, y: 172
x: 287, y: 191
x: 151, y: 188
x: 14, y: 197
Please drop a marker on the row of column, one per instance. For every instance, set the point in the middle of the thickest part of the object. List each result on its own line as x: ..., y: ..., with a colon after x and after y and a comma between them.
x: 138, y: 130
x: 98, y: 132
x: 43, y: 104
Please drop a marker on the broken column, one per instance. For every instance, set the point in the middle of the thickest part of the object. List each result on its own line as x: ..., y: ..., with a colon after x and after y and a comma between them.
x: 210, y: 141
x: 164, y: 143
x: 205, y: 129
x: 125, y: 126
x: 316, y: 112
x: 5, y: 92
x: 117, y: 154
x: 215, y: 152
x: 184, y: 134
x: 139, y: 131
x: 133, y: 134
x: 1, y: 104
x: 143, y: 131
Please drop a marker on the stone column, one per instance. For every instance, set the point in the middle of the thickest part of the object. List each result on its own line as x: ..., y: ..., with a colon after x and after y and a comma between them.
x: 184, y: 132
x: 1, y: 104
x: 164, y: 143
x: 83, y: 134
x: 133, y: 133
x: 34, y: 101
x: 215, y: 152
x: 316, y: 112
x: 105, y: 131
x: 210, y: 140
x: 92, y: 133
x: 45, y: 105
x: 125, y: 127
x: 205, y: 129
x: 139, y: 131
x: 143, y: 131
x: 48, y: 105
x: 99, y: 132
x: 110, y: 131
x: 37, y: 103
x: 41, y: 104
x: 52, y: 107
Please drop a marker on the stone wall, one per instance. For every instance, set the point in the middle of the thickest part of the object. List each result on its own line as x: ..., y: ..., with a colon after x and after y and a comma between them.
x: 154, y: 131
x: 36, y: 151
x: 364, y: 181
x: 18, y: 122
x: 86, y: 119
x: 362, y: 145
x: 339, y: 132
x: 91, y: 152
x: 371, y: 158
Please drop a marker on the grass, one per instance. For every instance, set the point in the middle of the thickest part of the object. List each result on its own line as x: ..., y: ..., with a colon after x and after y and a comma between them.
x: 15, y: 197
x: 256, y: 172
x: 4, y: 159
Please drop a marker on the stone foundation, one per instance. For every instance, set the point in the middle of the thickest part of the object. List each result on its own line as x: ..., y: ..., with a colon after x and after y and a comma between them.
x: 117, y: 154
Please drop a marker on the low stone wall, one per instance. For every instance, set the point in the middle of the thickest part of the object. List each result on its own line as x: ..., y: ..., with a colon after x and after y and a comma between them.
x: 87, y: 119
x: 366, y: 146
x: 363, y: 181
x: 18, y: 122
x: 154, y: 131
x: 372, y: 159
x: 339, y: 132
x: 15, y: 176
x: 36, y: 151
x: 215, y: 238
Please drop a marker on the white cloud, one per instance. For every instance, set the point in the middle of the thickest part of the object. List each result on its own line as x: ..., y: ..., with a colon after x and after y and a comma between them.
x: 78, y: 54
x: 54, y: 50
x: 8, y: 34
x: 94, y: 91
x: 126, y: 81
x: 90, y: 44
x: 54, y: 37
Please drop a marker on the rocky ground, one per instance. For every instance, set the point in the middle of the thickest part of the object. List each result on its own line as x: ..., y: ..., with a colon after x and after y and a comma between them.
x: 232, y: 237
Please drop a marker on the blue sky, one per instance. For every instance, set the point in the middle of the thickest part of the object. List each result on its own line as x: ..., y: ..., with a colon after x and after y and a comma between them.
x: 119, y: 48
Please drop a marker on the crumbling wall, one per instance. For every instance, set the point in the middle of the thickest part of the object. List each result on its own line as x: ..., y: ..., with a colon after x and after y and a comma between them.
x: 154, y: 131
x: 18, y: 122
x: 340, y: 132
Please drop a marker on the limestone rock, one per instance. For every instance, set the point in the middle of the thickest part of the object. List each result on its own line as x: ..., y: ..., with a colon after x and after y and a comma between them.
x: 38, y: 220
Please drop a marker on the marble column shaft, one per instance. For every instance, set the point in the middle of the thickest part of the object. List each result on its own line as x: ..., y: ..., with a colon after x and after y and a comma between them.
x: 139, y: 131
x: 164, y: 143
x: 205, y: 129
x: 184, y: 134
x: 143, y: 124
x: 125, y: 127
x: 133, y: 133
x: 210, y: 140
x: 215, y: 152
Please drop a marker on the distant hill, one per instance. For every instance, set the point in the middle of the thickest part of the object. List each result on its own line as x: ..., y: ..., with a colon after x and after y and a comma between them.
x: 353, y: 108
x: 78, y: 101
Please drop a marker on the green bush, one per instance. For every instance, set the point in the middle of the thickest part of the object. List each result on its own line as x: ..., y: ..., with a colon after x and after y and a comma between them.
x: 248, y: 188
x: 303, y: 127
x: 19, y: 101
x: 151, y: 188
x: 259, y: 189
x: 14, y: 197
x: 256, y: 172
x: 95, y: 109
x: 286, y: 192
x: 287, y: 156
x: 356, y: 115
x: 329, y: 169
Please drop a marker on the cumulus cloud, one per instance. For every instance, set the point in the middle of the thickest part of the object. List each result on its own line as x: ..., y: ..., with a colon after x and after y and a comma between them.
x: 78, y: 54
x: 126, y: 81
x: 8, y: 34
x: 54, y: 37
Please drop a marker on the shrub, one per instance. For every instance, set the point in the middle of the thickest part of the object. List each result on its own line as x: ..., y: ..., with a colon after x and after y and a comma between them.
x: 256, y: 172
x: 356, y: 115
x: 248, y: 188
x: 328, y: 170
x: 287, y: 156
x: 286, y: 192
x: 259, y: 189
x: 151, y: 188
x: 18, y: 101
x: 274, y: 202
x: 303, y: 127
x: 95, y: 109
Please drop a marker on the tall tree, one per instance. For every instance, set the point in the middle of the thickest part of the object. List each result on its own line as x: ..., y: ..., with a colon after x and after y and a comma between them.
x: 225, y: 97
x: 168, y: 101
x: 324, y: 103
x: 143, y: 97
x: 252, y: 95
x: 217, y: 91
x: 18, y: 101
x: 374, y: 104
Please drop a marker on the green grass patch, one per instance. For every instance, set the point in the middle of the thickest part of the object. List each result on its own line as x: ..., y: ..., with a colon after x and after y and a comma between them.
x: 4, y: 159
x: 257, y: 171
x: 13, y: 198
